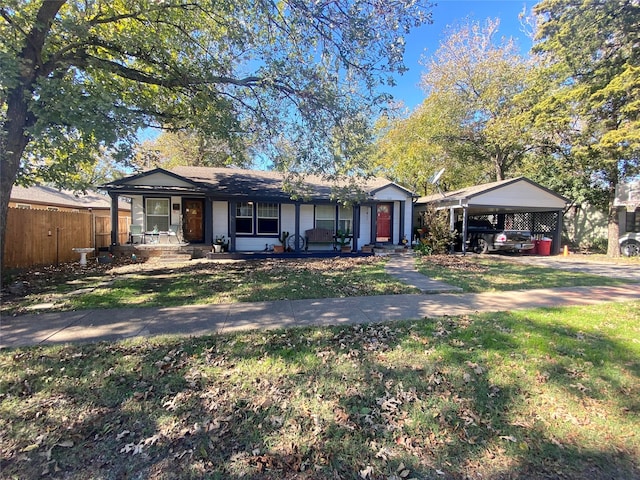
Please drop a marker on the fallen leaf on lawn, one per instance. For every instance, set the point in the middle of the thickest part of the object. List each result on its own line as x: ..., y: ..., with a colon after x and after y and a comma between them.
x: 366, y: 472
x: 65, y: 444
x: 511, y: 438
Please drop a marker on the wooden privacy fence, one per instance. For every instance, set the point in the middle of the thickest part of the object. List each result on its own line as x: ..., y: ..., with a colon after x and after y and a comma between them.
x: 43, y: 237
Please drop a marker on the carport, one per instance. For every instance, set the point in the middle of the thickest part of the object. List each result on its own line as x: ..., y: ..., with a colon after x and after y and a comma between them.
x: 517, y: 203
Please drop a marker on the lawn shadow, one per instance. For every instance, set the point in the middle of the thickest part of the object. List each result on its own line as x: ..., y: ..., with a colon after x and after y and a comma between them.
x: 451, y: 397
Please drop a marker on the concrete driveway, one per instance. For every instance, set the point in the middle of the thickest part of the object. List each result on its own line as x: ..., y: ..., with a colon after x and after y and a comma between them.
x: 581, y: 263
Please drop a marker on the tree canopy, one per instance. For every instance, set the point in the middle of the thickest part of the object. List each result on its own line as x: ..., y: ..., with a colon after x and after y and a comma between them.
x: 77, y: 76
x: 470, y: 121
x: 593, y: 94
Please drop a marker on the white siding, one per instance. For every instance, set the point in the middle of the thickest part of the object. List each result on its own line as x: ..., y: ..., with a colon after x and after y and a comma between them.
x: 176, y: 215
x: 365, y: 226
x: 390, y: 193
x: 159, y: 180
x: 287, y: 218
x: 521, y: 194
x: 220, y: 211
x: 408, y: 216
x: 137, y: 211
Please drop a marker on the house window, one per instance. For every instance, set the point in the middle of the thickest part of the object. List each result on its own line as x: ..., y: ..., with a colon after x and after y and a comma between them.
x: 24, y: 206
x: 157, y: 213
x: 345, y: 219
x: 326, y: 217
x: 268, y: 216
x: 244, y: 217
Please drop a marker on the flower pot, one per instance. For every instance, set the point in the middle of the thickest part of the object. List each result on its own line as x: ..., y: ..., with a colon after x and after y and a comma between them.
x: 217, y: 248
x: 346, y: 249
x: 278, y: 249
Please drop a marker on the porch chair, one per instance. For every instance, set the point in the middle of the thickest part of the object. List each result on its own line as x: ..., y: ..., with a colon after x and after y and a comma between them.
x: 136, y: 231
x: 174, y: 232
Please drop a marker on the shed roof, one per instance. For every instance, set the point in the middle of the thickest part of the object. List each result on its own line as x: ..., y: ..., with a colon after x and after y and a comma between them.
x: 50, y: 196
x: 512, y: 195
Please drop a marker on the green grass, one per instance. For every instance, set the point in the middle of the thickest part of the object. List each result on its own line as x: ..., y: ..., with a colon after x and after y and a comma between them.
x: 549, y: 393
x: 479, y: 274
x: 215, y: 283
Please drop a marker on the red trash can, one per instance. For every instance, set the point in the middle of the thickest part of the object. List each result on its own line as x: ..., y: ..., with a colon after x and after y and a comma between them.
x: 544, y: 247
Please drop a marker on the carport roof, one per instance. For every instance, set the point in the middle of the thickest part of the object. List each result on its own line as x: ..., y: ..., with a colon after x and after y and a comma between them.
x: 513, y: 195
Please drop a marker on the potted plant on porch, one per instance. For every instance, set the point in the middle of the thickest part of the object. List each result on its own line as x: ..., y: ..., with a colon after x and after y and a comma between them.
x: 283, y: 242
x: 343, y: 238
x: 220, y: 244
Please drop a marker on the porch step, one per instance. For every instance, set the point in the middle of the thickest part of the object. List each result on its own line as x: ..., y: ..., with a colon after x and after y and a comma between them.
x: 172, y: 258
x: 388, y: 249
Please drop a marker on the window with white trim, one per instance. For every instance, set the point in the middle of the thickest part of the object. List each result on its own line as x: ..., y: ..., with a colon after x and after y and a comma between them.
x: 157, y: 214
x: 326, y: 217
x: 244, y: 217
x: 345, y: 219
x: 268, y: 218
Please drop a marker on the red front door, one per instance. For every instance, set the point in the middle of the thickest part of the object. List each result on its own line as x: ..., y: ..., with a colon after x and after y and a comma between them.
x: 383, y: 222
x: 193, y: 214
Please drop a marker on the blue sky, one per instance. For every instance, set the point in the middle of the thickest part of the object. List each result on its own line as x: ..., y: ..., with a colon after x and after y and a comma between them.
x: 446, y: 14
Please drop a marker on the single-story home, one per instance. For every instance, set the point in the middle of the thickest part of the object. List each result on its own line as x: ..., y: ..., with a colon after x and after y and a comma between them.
x: 252, y: 208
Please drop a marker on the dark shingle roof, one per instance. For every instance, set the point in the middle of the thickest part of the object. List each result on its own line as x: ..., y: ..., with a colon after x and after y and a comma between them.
x: 43, y: 195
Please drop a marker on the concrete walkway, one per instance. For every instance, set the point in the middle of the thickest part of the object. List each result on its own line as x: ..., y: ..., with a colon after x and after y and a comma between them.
x: 122, y: 323
x: 403, y: 267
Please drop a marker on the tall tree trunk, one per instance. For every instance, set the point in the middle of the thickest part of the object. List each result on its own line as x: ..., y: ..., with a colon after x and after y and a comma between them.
x: 13, y: 136
x: 13, y: 141
x: 613, y: 230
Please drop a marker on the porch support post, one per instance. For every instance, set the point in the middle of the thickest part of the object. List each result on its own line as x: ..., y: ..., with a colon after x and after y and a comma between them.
x: 452, y: 226
x: 374, y: 223
x: 464, y: 230
x: 356, y: 226
x: 403, y: 205
x: 557, y: 234
x: 114, y: 218
x: 232, y: 226
x: 208, y: 220
x: 297, y: 226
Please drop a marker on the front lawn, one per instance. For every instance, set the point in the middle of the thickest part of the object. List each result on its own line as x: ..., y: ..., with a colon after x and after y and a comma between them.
x: 489, y: 273
x: 529, y: 394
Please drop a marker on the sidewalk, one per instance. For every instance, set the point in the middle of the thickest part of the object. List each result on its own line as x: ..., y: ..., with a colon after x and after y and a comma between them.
x: 118, y: 324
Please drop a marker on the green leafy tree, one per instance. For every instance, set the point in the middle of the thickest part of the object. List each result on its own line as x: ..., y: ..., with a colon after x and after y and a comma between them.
x: 476, y: 80
x: 471, y: 120
x: 76, y: 76
x: 592, y: 49
x: 188, y: 148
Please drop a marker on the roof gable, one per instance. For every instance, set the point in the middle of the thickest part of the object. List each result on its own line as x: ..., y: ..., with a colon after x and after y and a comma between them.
x: 519, y: 192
